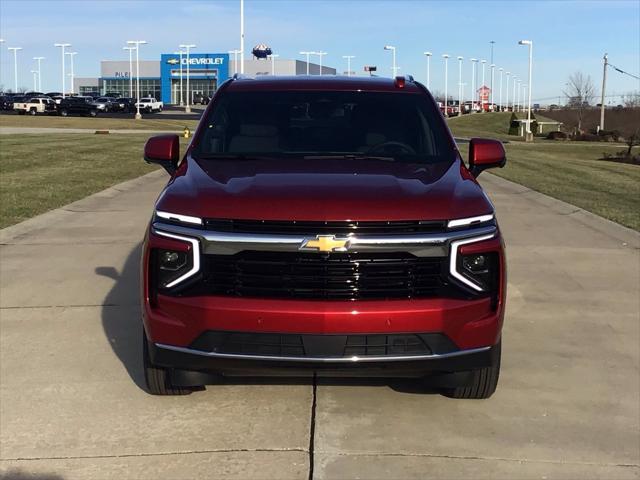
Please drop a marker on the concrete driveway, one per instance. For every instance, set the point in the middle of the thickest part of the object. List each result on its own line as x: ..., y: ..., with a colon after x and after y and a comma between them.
x: 72, y: 406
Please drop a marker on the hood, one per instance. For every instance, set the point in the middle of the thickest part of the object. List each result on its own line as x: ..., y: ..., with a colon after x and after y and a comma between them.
x: 323, y: 190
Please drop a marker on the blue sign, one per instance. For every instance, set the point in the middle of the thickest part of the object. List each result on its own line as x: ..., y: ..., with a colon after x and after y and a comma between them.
x: 205, y: 66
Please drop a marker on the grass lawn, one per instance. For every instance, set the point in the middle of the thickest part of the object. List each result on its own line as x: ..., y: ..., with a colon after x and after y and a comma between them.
x: 150, y: 122
x: 491, y: 125
x: 572, y: 172
x: 42, y: 172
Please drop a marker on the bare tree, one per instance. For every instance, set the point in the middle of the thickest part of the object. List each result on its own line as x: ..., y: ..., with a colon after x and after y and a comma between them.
x: 633, y: 140
x: 580, y: 93
x: 631, y: 99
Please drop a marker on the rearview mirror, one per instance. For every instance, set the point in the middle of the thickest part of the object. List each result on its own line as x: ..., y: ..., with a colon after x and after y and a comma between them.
x: 484, y: 153
x: 163, y: 150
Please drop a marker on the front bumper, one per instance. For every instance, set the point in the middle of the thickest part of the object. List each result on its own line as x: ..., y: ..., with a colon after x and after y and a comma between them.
x: 185, y: 363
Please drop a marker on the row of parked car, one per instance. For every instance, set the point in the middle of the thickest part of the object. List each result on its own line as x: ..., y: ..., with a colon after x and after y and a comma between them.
x: 33, y: 103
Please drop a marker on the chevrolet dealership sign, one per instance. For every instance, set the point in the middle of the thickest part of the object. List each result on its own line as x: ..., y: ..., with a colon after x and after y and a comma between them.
x: 197, y: 61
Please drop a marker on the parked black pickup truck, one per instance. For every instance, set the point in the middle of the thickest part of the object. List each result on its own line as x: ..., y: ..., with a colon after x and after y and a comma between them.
x: 76, y: 106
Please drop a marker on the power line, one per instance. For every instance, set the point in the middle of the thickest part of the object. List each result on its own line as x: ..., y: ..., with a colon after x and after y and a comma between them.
x: 623, y: 72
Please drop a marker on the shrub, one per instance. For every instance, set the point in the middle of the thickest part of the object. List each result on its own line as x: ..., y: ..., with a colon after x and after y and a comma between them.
x: 557, y: 136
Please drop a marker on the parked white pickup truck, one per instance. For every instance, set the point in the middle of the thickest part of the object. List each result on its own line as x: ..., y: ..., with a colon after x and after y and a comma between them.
x: 150, y: 104
x: 35, y: 105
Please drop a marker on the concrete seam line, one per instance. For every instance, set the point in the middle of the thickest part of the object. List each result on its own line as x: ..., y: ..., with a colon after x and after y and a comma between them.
x: 45, y: 219
x: 585, y: 217
x: 157, y: 454
x: 473, y: 457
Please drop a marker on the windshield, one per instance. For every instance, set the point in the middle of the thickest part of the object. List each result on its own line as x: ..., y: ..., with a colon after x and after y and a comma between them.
x: 390, y: 126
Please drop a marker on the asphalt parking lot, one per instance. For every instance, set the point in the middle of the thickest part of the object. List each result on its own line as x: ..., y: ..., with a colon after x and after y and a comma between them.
x: 72, y: 406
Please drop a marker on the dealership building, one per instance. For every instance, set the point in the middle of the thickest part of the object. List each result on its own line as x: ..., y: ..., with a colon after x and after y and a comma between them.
x: 166, y: 79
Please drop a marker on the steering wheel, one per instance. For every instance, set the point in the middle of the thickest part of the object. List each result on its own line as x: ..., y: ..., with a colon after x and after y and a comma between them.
x: 392, y: 148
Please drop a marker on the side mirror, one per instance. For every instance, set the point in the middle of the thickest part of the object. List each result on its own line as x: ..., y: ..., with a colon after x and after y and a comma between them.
x: 484, y: 153
x: 163, y: 150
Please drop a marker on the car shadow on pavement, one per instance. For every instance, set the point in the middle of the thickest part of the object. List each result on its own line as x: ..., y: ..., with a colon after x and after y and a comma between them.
x: 121, y: 319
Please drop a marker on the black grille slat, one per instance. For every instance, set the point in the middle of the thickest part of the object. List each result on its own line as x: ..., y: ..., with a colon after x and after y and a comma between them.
x: 330, y: 227
x: 304, y: 275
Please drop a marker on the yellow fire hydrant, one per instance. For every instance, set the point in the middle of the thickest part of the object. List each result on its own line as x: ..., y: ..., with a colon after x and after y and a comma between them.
x: 187, y: 132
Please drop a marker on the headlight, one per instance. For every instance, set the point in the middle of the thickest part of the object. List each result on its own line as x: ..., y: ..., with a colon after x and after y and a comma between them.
x: 478, y: 271
x: 172, y: 267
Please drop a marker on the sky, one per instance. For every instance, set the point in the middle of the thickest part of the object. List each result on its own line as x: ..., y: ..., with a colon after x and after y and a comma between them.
x: 568, y: 36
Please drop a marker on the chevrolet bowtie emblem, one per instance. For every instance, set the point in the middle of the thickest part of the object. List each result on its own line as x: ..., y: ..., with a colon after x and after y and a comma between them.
x: 326, y: 243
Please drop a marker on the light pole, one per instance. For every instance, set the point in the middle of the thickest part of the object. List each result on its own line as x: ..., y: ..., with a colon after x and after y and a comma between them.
x: 482, y: 86
x: 241, y: 47
x: 35, y: 80
x: 130, y: 69
x: 62, y: 46
x: 518, y: 95
x: 506, y: 102
x: 491, y: 101
x: 428, y: 55
x: 188, y: 48
x: 500, y: 96
x: 39, y: 59
x: 235, y: 61
x: 179, y: 53
x: 474, y: 61
x: 320, y: 55
x: 71, y: 55
x: 15, y: 66
x: 393, y: 52
x: 307, y: 54
x: 273, y: 63
x: 530, y: 44
x: 460, y: 85
x: 348, y: 57
x: 137, y: 43
x: 492, y: 43
x: 446, y: 82
x: 513, y: 93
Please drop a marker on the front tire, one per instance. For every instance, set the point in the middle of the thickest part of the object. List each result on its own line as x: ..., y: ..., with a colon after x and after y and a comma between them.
x: 63, y: 113
x: 157, y: 378
x: 483, y: 383
x: 93, y: 113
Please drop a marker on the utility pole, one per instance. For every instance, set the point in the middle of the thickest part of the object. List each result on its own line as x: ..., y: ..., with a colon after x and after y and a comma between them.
x: 492, y: 42
x: 604, y: 84
x: 241, y: 41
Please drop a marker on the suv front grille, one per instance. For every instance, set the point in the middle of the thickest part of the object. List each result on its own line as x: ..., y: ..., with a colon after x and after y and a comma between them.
x: 276, y: 227
x: 335, y: 276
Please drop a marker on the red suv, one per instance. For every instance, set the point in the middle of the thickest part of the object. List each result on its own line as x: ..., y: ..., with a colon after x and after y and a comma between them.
x: 323, y: 226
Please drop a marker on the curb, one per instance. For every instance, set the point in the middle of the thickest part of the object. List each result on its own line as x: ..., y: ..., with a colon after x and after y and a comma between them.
x: 60, y: 214
x: 627, y: 236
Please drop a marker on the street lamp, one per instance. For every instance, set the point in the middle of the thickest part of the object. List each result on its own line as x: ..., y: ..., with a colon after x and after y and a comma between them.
x: 500, y: 97
x: 348, y: 57
x: 39, y: 59
x: 483, y: 62
x: 428, y: 55
x: 188, y: 48
x: 513, y: 93
x: 506, y: 102
x: 235, y: 61
x: 15, y: 66
x: 530, y: 44
x: 518, y: 95
x: 241, y: 47
x: 179, y: 53
x: 491, y: 101
x: 320, y: 55
x: 393, y: 51
x: 460, y: 85
x: 71, y: 55
x: 446, y: 82
x: 130, y: 69
x: 62, y: 46
x: 307, y: 54
x: 35, y: 80
x: 473, y: 82
x: 273, y: 57
x: 137, y: 44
